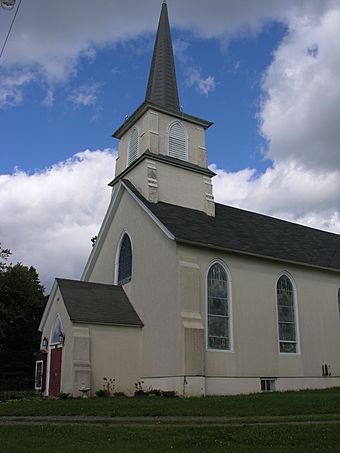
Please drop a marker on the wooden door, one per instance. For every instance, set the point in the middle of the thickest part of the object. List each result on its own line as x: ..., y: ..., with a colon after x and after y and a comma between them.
x: 55, y: 371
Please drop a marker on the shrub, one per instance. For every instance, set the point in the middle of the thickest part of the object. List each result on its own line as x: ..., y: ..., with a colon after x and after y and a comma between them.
x: 63, y: 396
x: 102, y: 393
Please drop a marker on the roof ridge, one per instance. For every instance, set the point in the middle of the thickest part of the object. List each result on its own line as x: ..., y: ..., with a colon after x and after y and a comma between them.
x: 277, y: 219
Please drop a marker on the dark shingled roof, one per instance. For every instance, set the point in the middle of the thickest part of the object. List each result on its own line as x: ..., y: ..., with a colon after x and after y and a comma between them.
x: 162, y: 84
x: 236, y: 230
x: 97, y: 303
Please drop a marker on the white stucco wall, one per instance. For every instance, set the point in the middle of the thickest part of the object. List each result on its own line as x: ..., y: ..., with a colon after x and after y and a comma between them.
x: 153, y: 135
x: 152, y: 290
x: 115, y: 353
x: 175, y: 185
x: 255, y: 351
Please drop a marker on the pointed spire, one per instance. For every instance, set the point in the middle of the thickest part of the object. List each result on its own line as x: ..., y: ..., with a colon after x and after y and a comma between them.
x: 162, y: 84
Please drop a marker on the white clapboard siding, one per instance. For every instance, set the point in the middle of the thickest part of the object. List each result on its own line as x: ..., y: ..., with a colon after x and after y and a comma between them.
x: 133, y: 146
x: 177, y: 141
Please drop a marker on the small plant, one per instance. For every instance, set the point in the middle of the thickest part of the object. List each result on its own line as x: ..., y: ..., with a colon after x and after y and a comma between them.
x: 63, y: 396
x: 139, y: 391
x: 109, y: 385
x: 102, y: 393
x: 120, y: 394
x: 108, y: 388
x: 169, y: 394
x: 154, y: 392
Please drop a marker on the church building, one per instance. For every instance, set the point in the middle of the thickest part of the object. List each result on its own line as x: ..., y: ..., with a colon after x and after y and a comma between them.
x: 182, y: 293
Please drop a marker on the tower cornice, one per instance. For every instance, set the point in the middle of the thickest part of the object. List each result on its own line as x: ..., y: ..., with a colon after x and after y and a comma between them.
x: 145, y: 106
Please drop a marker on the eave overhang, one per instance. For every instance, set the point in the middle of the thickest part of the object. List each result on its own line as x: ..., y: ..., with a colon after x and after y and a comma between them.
x: 145, y: 106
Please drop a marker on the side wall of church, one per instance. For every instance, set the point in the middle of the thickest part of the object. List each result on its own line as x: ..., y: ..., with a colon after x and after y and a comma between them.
x: 255, y: 346
x: 152, y: 290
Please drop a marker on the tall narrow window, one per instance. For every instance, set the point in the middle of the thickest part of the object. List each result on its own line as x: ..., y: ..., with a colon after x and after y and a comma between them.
x: 218, y: 308
x: 125, y: 261
x: 133, y: 146
x: 177, y: 141
x: 57, y: 332
x: 286, y: 315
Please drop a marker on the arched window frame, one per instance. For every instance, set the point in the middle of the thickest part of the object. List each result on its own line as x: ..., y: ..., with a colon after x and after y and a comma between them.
x: 230, y: 306
x: 296, y: 315
x: 58, y: 343
x: 130, y: 158
x: 119, y: 246
x: 185, y: 138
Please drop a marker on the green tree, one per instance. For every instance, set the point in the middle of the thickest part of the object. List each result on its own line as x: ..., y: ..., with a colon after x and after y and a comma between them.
x: 4, y: 254
x: 22, y: 303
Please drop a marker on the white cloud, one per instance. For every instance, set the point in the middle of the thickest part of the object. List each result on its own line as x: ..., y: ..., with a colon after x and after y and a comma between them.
x: 203, y: 85
x: 301, y: 111
x: 52, y: 215
x: 48, y: 100
x: 51, y: 36
x: 86, y: 94
x: 285, y: 191
x: 11, y: 87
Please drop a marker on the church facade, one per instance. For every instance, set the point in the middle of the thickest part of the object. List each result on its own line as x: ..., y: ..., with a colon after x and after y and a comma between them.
x: 182, y: 293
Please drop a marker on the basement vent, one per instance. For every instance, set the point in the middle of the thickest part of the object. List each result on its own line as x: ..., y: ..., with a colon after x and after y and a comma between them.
x: 268, y: 384
x: 177, y: 141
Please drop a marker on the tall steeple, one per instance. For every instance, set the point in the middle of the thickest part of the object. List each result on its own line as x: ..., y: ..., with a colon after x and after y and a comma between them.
x: 162, y: 84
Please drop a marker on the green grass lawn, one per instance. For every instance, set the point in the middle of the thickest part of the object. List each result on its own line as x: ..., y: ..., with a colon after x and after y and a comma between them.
x: 306, y: 402
x: 82, y: 439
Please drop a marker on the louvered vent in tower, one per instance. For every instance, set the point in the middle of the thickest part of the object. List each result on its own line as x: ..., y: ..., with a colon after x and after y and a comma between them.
x: 177, y: 141
x: 133, y: 146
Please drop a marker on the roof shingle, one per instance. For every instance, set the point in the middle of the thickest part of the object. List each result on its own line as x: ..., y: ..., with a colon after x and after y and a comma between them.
x: 247, y: 232
x: 97, y: 303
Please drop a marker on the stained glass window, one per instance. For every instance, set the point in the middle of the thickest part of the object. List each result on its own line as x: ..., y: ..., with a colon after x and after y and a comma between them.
x: 125, y: 261
x: 218, y: 308
x: 286, y: 315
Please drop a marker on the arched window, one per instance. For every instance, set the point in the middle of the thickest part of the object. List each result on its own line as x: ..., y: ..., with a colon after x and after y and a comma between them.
x: 133, y: 146
x: 218, y: 308
x: 286, y: 315
x: 124, y: 261
x: 177, y: 141
x: 56, y: 332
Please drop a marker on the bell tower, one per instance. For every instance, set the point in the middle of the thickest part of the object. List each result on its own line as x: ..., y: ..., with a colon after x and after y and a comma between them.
x: 162, y: 149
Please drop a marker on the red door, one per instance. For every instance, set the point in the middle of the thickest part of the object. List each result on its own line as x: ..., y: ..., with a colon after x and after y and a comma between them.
x: 55, y: 371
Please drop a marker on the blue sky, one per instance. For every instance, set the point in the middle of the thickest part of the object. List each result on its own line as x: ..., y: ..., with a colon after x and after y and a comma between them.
x: 267, y: 73
x: 36, y: 136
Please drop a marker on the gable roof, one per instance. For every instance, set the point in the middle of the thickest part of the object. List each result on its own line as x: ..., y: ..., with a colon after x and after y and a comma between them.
x: 97, y: 303
x: 246, y: 232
